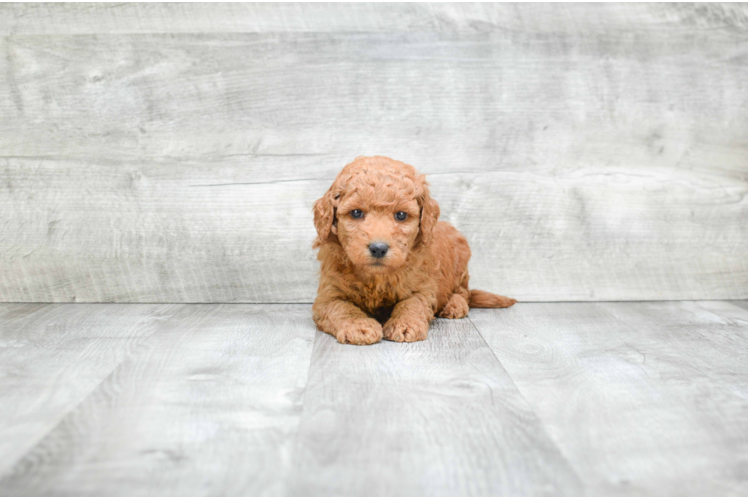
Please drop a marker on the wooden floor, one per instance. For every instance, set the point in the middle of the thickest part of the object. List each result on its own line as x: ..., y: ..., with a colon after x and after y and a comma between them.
x: 629, y: 398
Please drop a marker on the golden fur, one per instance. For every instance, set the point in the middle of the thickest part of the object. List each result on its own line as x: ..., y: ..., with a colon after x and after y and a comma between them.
x: 362, y: 299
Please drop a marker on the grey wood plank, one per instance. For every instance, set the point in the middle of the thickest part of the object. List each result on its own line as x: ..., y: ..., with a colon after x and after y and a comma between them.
x: 439, y: 417
x: 459, y: 102
x: 133, y: 165
x: 643, y: 398
x: 156, y: 233
x: 208, y: 406
x: 53, y: 356
x: 567, y: 18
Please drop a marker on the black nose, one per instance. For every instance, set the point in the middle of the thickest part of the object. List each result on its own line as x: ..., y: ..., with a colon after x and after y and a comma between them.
x: 378, y: 249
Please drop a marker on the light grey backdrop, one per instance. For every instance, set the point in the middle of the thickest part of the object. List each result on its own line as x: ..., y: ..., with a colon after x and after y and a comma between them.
x: 171, y: 152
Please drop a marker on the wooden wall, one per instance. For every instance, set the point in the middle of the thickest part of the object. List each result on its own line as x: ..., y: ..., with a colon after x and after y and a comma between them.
x: 171, y: 152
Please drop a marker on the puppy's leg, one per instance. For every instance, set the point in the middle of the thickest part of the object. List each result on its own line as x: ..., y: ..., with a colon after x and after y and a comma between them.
x: 457, y: 307
x: 410, y: 320
x: 346, y: 322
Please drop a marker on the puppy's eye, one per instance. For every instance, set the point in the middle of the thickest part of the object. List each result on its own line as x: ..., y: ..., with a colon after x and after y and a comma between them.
x: 401, y: 216
x: 357, y: 214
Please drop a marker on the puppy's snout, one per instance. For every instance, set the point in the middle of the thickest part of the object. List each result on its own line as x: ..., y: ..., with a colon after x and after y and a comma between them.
x: 378, y: 249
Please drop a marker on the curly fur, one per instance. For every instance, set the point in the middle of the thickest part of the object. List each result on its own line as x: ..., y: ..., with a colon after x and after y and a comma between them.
x: 361, y: 299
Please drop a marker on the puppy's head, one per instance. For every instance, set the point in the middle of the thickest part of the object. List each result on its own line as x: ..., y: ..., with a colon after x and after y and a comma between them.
x: 379, y: 210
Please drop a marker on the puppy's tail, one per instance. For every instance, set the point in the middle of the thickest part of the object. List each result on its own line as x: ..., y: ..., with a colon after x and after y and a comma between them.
x: 479, y: 298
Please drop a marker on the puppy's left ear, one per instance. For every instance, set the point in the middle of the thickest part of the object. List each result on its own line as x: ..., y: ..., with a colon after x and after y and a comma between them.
x: 429, y: 215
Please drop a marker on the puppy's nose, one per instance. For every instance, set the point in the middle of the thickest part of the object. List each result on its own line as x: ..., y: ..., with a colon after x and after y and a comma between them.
x: 378, y: 249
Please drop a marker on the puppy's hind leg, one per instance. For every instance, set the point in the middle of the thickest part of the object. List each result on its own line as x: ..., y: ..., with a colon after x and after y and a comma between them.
x: 456, y: 307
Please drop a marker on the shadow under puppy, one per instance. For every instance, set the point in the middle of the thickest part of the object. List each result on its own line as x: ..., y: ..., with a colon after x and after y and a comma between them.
x: 388, y: 265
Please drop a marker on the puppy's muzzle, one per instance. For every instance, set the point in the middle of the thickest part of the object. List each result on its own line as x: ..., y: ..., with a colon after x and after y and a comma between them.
x: 378, y: 249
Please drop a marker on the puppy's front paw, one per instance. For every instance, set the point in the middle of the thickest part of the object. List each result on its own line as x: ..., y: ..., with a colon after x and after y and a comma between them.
x: 405, y: 330
x: 363, y: 331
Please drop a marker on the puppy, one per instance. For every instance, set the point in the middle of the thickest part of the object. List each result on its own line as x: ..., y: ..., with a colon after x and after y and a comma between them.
x: 388, y: 265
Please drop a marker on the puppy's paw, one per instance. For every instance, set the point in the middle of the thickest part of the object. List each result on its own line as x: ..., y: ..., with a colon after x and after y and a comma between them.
x: 456, y: 308
x: 362, y: 331
x: 405, y: 330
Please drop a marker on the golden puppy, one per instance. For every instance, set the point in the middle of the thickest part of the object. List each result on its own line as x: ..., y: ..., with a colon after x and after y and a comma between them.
x: 386, y: 258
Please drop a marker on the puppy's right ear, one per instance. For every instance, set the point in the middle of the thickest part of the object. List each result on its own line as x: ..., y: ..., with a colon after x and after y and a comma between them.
x: 324, y: 218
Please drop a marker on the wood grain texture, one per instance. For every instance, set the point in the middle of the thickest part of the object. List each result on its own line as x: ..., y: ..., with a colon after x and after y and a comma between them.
x: 597, y: 398
x: 452, y: 102
x: 642, y: 398
x: 161, y: 234
x: 208, y: 406
x: 87, y: 18
x: 53, y: 356
x: 588, y: 152
x: 439, y: 417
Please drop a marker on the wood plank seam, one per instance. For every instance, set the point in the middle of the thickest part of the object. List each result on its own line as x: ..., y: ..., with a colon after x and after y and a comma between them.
x: 559, y: 450
x: 139, y: 346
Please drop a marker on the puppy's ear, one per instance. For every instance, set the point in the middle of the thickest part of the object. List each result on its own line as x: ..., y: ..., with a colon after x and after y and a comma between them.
x: 429, y: 215
x: 324, y: 217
